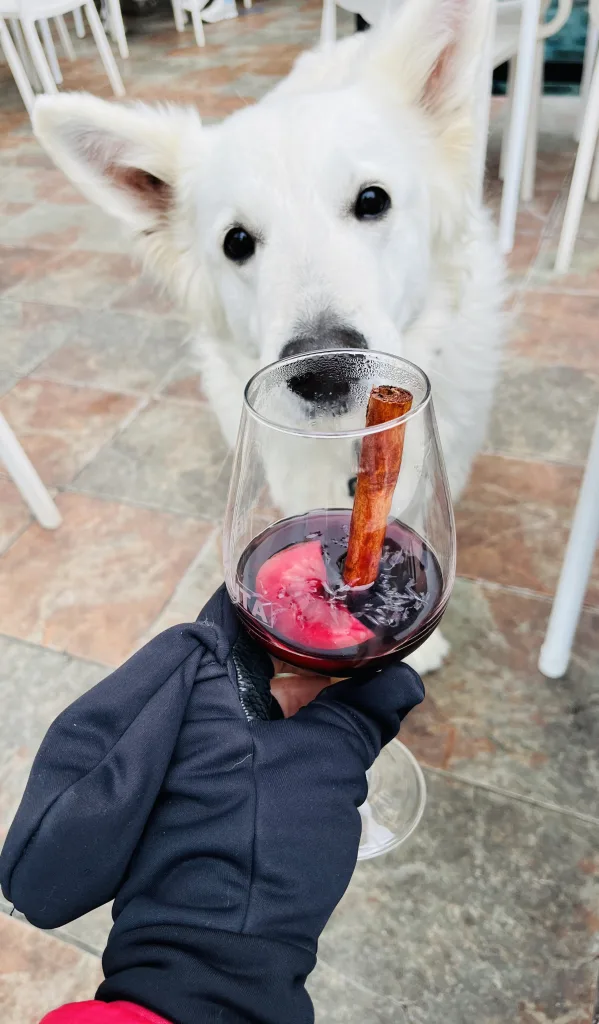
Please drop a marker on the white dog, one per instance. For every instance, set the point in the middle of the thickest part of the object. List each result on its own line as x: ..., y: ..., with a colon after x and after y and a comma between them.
x: 339, y: 211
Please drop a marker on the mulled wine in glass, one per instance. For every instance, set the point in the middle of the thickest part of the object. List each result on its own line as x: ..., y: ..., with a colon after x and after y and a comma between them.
x: 339, y: 543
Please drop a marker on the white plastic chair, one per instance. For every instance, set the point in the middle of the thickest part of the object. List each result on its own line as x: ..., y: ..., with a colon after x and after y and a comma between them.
x: 194, y: 7
x: 24, y: 56
x: 28, y: 12
x: 16, y: 66
x: 12, y: 455
x: 111, y: 16
x: 180, y: 7
x: 585, y: 173
x: 79, y: 23
x: 590, y: 54
x: 578, y: 561
x: 527, y: 58
x: 48, y: 44
x: 18, y: 465
x: 111, y: 9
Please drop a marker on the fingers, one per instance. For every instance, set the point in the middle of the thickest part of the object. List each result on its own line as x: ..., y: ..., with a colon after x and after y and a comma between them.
x: 293, y: 690
x: 372, y: 705
x: 385, y: 697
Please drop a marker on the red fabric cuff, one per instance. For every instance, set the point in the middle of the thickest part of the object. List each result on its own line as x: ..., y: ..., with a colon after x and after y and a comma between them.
x: 96, y: 1012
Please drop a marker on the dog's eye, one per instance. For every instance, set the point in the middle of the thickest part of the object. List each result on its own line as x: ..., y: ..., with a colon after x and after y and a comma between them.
x: 372, y: 202
x: 239, y: 245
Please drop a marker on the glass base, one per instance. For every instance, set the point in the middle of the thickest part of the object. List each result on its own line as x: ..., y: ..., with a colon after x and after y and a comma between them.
x: 396, y: 800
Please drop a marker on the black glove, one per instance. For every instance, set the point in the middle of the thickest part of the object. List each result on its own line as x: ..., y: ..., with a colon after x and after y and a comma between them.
x: 225, y: 838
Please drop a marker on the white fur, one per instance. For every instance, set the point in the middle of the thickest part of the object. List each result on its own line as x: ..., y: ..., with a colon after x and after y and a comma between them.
x: 389, y: 107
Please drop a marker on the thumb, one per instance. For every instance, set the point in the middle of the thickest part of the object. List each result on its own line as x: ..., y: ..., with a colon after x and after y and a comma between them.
x: 373, y: 705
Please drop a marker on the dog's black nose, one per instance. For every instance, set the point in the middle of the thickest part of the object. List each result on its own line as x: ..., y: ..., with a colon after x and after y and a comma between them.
x: 324, y: 384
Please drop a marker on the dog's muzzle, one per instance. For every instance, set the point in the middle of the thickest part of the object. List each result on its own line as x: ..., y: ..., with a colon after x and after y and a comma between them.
x: 321, y: 385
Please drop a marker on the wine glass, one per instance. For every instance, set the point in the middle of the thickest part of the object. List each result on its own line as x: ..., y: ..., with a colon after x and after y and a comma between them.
x: 339, y: 544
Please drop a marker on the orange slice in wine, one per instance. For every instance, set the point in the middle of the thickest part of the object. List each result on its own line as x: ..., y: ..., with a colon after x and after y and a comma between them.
x: 304, y: 610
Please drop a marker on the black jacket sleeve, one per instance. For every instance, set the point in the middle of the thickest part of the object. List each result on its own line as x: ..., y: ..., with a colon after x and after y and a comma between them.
x: 94, y: 782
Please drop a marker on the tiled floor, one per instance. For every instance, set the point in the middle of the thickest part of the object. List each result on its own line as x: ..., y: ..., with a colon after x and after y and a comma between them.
x: 490, y: 913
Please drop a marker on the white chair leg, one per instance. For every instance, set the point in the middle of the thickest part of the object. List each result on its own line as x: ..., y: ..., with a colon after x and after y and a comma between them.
x: 23, y: 52
x: 247, y: 4
x: 482, y: 100
x: 523, y: 83
x: 26, y: 479
x: 104, y: 48
x: 38, y: 57
x: 15, y: 64
x: 328, y: 26
x: 79, y: 23
x: 65, y: 39
x: 593, y: 192
x: 198, y: 26
x: 590, y: 55
x: 179, y: 15
x: 578, y: 560
x: 509, y: 108
x: 529, y: 171
x: 19, y: 42
x: 46, y: 33
x: 117, y: 27
x: 580, y: 178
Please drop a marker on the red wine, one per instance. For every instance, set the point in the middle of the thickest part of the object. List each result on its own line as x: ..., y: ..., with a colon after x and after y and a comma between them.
x: 292, y: 599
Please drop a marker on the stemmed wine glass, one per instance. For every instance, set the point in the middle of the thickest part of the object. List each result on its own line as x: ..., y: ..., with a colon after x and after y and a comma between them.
x: 339, y: 545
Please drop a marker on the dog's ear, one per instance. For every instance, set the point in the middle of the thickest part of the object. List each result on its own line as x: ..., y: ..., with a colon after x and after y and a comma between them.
x: 124, y: 158
x: 429, y: 55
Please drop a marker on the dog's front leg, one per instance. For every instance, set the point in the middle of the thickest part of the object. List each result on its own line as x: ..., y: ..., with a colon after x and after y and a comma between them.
x: 431, y: 655
x: 223, y: 381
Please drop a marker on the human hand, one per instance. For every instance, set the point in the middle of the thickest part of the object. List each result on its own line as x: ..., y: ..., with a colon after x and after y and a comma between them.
x: 293, y: 688
x: 225, y: 838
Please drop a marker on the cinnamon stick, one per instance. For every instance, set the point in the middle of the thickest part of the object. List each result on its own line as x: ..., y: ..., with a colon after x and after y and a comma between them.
x: 380, y: 462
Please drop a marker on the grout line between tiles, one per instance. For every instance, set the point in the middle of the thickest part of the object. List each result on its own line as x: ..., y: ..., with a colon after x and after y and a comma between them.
x: 65, y: 937
x: 5, y: 298
x: 511, y: 588
x: 57, y: 650
x: 23, y: 374
x: 527, y: 457
x: 152, y: 394
x: 121, y: 427
x: 530, y: 459
x: 72, y: 382
x: 89, y: 305
x: 190, y: 568
x: 80, y: 385
x: 557, y: 289
x: 16, y: 536
x: 145, y: 399
x: 550, y: 289
x: 365, y: 989
x: 73, y: 940
x: 118, y: 499
x: 508, y: 794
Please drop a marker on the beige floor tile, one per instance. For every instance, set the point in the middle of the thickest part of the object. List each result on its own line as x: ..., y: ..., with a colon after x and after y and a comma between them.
x: 61, y: 427
x: 39, y: 972
x: 94, y: 586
